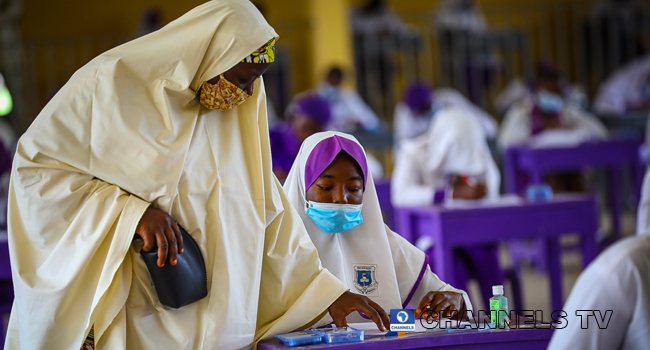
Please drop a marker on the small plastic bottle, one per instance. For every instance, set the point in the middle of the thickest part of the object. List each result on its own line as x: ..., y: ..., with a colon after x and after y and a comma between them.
x: 499, y: 314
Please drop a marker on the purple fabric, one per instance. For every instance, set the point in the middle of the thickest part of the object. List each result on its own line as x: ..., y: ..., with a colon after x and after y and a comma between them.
x: 417, y: 282
x: 325, y: 152
x: 537, y: 125
x: 284, y: 147
x: 419, y: 97
x: 315, y: 108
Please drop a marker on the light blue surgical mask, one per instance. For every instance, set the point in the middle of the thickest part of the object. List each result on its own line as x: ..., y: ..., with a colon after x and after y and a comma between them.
x: 334, y: 218
x: 549, y: 102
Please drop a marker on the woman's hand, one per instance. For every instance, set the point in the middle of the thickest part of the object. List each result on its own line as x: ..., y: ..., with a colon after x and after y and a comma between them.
x: 157, y: 228
x: 349, y: 302
x: 451, y: 303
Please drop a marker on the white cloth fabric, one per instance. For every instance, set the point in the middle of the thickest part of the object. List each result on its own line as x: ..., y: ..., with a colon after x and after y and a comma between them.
x: 622, y: 90
x: 127, y: 132
x: 397, y: 263
x: 578, y: 126
x: 454, y: 145
x: 618, y: 280
x: 407, y: 125
x: 349, y: 112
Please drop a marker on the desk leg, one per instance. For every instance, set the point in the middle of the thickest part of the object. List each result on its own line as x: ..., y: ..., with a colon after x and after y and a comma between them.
x: 614, y: 190
x: 536, y: 177
x: 510, y: 170
x: 554, y: 266
x: 444, y: 264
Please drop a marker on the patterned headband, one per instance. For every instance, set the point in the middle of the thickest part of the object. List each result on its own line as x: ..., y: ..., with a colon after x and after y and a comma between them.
x: 265, y: 54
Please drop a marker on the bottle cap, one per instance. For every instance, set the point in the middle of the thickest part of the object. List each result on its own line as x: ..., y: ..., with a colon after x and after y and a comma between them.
x: 497, y: 290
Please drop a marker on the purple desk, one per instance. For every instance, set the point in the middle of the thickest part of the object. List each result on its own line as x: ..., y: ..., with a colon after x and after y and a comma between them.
x: 516, y: 339
x: 611, y: 154
x: 479, y: 223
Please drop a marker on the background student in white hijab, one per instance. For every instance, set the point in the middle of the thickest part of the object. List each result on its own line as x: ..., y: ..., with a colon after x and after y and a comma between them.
x: 168, y: 128
x: 413, y: 115
x: 546, y: 119
x: 334, y: 193
x: 451, y: 161
x: 626, y: 90
x: 608, y: 306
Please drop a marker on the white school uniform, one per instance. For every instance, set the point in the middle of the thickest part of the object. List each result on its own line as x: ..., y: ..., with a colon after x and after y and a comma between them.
x: 407, y: 125
x: 618, y: 280
x: 623, y: 89
x: 395, y: 264
x: 576, y: 126
x: 349, y: 111
x: 454, y: 145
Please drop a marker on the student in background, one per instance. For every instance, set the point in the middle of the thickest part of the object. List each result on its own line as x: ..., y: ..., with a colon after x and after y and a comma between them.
x: 349, y: 112
x: 306, y: 115
x: 334, y: 193
x: 451, y: 161
x: 626, y: 90
x: 413, y: 115
x: 546, y: 118
x: 617, y: 286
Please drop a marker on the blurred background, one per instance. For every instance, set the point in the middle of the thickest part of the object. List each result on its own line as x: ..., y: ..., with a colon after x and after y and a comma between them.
x: 477, y: 47
x: 489, y: 51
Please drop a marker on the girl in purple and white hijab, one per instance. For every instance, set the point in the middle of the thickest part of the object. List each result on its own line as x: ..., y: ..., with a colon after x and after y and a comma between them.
x: 334, y: 193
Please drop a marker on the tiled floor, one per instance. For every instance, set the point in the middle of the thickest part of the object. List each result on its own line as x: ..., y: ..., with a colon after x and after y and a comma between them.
x: 535, y: 284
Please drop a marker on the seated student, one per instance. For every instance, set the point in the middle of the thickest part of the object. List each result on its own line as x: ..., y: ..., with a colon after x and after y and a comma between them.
x: 306, y: 115
x: 413, y: 116
x: 615, y: 291
x: 627, y: 89
x: 546, y: 120
x: 545, y: 117
x: 451, y: 160
x: 334, y: 194
x: 349, y: 112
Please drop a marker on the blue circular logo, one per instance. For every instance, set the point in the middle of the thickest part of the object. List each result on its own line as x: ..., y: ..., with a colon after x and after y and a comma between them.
x: 402, y: 316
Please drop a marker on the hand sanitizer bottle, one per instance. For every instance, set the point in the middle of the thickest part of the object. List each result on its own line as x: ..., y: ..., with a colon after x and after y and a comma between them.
x: 499, y: 315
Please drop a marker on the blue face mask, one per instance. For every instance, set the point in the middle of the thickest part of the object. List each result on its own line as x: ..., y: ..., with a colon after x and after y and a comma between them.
x: 334, y: 218
x: 549, y: 102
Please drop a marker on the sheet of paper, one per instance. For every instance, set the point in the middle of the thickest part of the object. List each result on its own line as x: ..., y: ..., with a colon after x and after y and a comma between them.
x: 506, y: 200
x: 370, y: 328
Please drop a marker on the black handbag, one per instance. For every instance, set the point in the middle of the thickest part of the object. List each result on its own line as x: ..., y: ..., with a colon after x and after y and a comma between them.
x: 184, y: 283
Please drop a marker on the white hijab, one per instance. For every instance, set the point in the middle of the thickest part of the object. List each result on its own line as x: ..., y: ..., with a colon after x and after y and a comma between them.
x: 125, y: 132
x: 454, y: 144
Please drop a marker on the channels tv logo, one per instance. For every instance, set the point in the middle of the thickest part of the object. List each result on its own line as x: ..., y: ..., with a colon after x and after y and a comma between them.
x: 402, y: 320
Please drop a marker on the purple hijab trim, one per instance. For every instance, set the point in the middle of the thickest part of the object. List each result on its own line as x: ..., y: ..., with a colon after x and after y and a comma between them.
x: 324, y: 153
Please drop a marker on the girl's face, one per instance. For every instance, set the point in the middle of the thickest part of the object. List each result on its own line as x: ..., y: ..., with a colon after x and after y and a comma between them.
x: 340, y: 183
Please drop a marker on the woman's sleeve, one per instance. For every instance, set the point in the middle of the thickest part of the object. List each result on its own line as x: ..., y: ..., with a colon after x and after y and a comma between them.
x: 295, y: 289
x: 68, y: 235
x: 414, y: 275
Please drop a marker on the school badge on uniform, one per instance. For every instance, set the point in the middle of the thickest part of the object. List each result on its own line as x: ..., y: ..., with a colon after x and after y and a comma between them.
x: 365, y: 279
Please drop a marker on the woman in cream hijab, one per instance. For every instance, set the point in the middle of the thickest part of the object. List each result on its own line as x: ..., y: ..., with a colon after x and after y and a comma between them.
x: 170, y: 127
x: 334, y: 194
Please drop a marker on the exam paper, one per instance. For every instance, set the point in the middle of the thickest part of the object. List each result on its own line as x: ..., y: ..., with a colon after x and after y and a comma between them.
x: 370, y: 328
